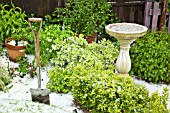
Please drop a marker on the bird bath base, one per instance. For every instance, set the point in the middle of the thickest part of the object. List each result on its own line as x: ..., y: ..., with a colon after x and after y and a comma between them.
x: 125, y: 33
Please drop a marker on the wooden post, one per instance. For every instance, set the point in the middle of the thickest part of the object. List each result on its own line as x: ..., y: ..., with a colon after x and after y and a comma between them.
x: 156, y: 12
x: 163, y: 15
x: 147, y: 16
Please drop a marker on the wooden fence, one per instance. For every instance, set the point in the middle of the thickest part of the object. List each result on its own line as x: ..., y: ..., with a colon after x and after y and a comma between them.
x: 151, y: 16
x: 38, y: 7
x: 127, y: 10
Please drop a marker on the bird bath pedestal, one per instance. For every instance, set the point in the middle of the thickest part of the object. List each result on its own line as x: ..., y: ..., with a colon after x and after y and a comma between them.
x: 125, y: 33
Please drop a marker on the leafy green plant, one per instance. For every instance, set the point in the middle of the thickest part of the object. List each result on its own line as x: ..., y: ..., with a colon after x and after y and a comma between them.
x: 74, y: 51
x: 150, y: 57
x: 24, y: 33
x: 13, y: 23
x: 23, y: 68
x: 99, y: 90
x: 5, y: 79
x: 1, y: 47
x: 11, y: 18
x: 84, y: 16
x: 49, y: 36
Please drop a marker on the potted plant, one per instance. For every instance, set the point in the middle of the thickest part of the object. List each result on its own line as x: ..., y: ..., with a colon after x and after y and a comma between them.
x: 13, y: 28
x: 16, y: 44
x: 87, y: 17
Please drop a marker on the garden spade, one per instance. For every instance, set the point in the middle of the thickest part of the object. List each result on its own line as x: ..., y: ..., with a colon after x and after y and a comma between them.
x: 39, y: 94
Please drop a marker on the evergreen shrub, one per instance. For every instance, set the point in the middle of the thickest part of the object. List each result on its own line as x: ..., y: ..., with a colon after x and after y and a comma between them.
x: 101, y: 91
x: 74, y: 51
x: 150, y: 57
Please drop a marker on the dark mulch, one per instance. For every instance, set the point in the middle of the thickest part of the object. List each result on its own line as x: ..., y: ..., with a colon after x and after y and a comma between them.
x: 78, y: 105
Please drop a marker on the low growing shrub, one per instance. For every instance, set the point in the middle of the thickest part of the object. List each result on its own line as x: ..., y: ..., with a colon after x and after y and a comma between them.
x: 59, y: 80
x: 87, y: 71
x: 101, y: 91
x: 74, y: 51
x: 150, y: 57
x: 49, y: 36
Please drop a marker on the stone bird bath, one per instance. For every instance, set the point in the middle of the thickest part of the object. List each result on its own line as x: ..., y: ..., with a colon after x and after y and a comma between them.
x: 125, y: 33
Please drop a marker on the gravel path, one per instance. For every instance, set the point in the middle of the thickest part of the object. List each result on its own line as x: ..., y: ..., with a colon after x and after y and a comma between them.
x: 18, y: 98
x: 20, y: 106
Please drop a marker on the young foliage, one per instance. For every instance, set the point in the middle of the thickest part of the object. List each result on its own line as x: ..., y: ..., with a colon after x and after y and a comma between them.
x: 75, y: 50
x: 49, y: 37
x: 84, y: 16
x: 59, y: 80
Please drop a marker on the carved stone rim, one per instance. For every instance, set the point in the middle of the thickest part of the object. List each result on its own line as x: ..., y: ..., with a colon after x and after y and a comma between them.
x: 109, y: 28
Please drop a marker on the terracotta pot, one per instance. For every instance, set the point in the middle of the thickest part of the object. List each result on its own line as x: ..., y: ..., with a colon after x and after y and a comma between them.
x: 14, y: 52
x: 92, y: 38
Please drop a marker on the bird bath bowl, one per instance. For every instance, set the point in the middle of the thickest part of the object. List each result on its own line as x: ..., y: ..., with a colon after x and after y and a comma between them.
x: 125, y: 33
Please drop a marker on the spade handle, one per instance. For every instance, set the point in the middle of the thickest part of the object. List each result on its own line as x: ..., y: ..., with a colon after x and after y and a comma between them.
x: 35, y: 19
x: 37, y: 50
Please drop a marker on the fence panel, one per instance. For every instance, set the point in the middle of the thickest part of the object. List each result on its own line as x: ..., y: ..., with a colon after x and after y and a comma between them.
x: 127, y: 10
x: 38, y: 7
x: 152, y: 16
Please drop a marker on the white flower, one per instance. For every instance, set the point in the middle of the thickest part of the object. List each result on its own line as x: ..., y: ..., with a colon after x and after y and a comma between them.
x: 25, y: 43
x: 69, y: 48
x: 47, y: 49
x: 22, y: 50
x: 49, y: 40
x: 81, y: 35
x: 93, y: 85
x: 63, y: 27
x: 54, y: 47
x: 119, y: 88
